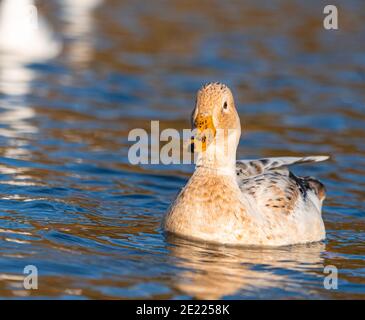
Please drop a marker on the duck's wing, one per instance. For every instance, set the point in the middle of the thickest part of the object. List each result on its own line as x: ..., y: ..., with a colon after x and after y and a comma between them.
x: 271, y: 186
x: 250, y: 168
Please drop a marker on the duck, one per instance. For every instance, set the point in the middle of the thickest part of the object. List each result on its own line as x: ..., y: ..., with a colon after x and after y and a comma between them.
x: 24, y: 34
x: 242, y: 202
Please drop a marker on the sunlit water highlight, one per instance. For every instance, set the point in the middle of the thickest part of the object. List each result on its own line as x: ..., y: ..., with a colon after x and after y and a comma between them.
x: 71, y: 204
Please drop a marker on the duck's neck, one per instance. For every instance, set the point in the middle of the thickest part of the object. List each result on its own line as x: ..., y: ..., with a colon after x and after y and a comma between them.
x: 226, y: 171
x: 218, y: 159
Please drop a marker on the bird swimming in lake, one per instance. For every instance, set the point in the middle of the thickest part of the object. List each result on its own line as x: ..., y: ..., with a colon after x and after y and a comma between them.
x: 244, y: 202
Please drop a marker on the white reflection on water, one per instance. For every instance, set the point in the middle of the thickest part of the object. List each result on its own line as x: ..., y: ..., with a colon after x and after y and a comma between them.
x: 79, y: 25
x: 15, y: 111
x: 25, y: 38
x: 24, y: 33
x: 213, y: 272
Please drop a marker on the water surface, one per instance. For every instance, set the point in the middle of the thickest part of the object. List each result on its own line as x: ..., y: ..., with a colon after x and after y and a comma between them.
x: 72, y: 205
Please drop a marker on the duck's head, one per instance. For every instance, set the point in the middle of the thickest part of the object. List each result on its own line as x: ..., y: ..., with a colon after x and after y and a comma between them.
x: 216, y: 123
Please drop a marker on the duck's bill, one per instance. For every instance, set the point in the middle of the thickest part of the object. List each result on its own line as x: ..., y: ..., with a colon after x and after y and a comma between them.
x: 204, y: 133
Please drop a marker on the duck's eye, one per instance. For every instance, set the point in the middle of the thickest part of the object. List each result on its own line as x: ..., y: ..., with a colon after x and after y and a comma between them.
x: 225, y: 105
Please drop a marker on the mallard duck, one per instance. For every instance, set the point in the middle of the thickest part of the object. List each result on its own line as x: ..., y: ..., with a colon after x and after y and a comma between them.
x: 244, y: 202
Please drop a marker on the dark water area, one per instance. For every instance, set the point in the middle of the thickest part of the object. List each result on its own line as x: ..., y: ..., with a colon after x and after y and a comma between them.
x: 72, y: 204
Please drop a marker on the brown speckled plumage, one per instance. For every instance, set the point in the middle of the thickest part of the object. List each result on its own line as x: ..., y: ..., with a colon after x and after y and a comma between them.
x: 248, y: 202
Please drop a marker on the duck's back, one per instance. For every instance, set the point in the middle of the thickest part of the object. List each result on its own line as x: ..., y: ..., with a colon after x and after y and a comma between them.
x: 290, y: 206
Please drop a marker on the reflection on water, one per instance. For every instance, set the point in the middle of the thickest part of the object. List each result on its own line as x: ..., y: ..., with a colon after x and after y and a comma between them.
x: 25, y: 38
x: 79, y: 26
x: 70, y: 202
x: 15, y: 111
x: 215, y: 272
x: 15, y: 78
x: 24, y: 33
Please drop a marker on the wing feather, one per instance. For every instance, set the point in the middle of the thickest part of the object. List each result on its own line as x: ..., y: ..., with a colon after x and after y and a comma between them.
x: 274, y: 188
x: 250, y: 168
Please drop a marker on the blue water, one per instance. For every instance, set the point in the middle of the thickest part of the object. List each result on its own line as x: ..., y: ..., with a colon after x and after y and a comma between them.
x: 71, y: 203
